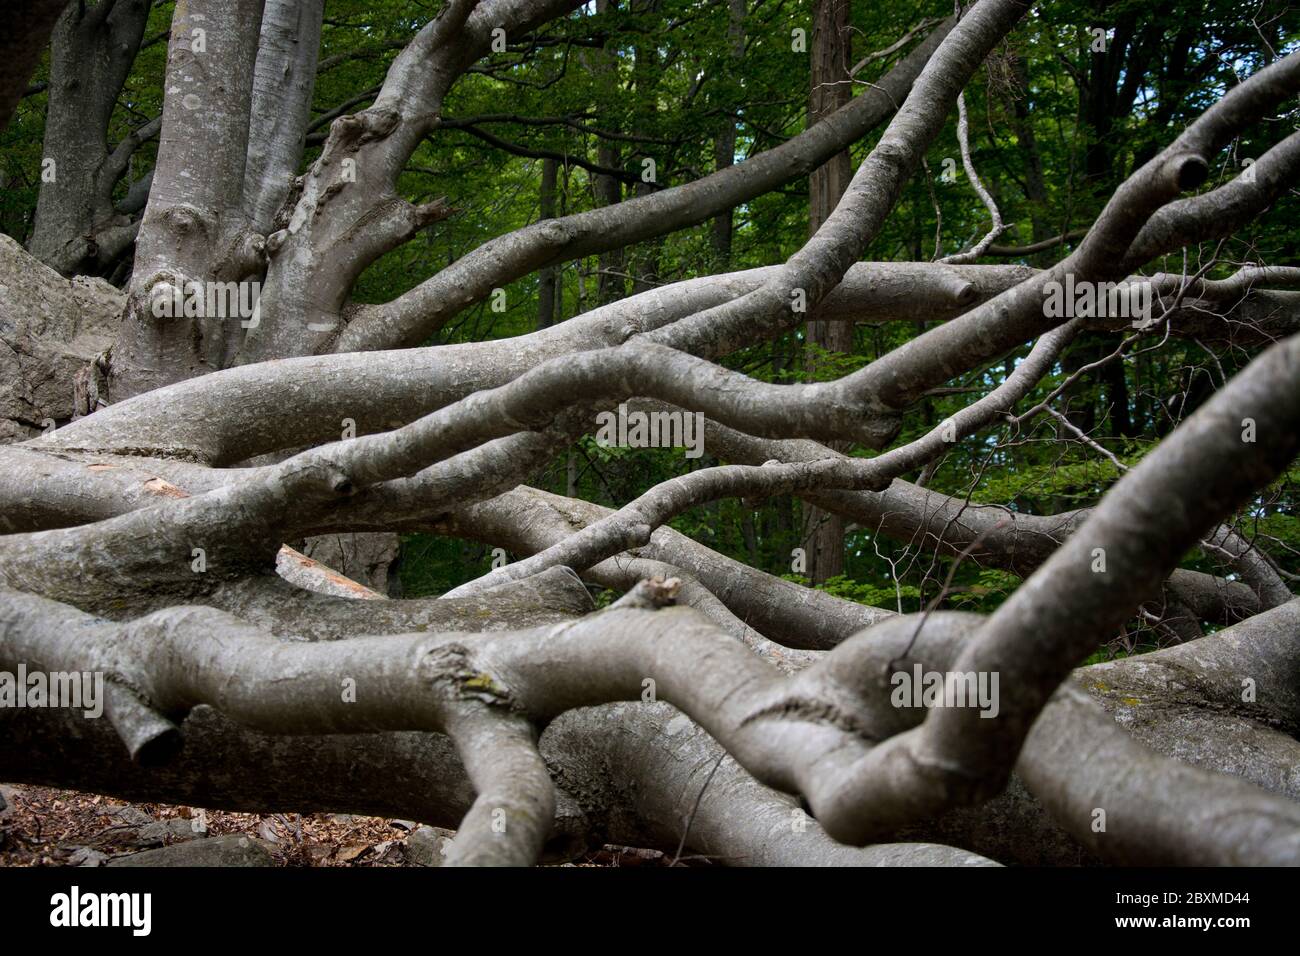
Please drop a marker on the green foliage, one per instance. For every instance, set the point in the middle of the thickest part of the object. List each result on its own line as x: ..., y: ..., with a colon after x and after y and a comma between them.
x: 431, y: 565
x: 861, y: 592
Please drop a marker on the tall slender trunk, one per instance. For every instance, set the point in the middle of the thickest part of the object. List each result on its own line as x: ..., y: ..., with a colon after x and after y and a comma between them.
x: 724, y: 144
x: 546, y: 277
x: 831, y: 88
x: 610, y: 285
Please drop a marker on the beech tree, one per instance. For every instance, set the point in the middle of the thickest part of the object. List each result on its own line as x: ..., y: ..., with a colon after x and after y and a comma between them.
x: 204, y: 381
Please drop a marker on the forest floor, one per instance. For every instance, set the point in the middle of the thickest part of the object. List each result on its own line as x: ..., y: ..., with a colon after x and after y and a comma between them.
x: 40, y: 826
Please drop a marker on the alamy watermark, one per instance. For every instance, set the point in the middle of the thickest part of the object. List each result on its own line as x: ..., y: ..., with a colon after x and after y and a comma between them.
x: 651, y: 430
x: 209, y: 300
x: 83, y: 690
x: 75, y: 908
x: 1100, y: 300
x: 922, y: 688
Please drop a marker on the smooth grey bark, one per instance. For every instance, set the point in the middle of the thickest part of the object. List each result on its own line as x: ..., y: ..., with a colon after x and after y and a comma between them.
x: 446, y: 684
x: 396, y: 386
x: 1229, y: 702
x: 292, y: 612
x: 393, y: 387
x: 77, y: 229
x: 241, y: 525
x: 284, y: 78
x: 194, y: 228
x: 798, y: 731
x: 348, y: 213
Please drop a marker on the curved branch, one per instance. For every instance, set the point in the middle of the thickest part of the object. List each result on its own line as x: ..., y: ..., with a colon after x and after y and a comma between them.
x: 415, y: 315
x: 632, y: 525
x: 1067, y: 607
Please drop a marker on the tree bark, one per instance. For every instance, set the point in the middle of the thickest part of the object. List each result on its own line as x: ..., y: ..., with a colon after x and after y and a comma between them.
x: 831, y: 88
x: 77, y: 229
x: 546, y: 277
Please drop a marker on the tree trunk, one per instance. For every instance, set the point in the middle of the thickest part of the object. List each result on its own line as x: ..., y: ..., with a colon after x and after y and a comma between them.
x: 831, y: 88
x: 546, y: 278
x: 77, y: 230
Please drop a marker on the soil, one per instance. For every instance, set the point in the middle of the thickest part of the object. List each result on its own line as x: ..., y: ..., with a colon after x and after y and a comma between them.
x: 46, y: 827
